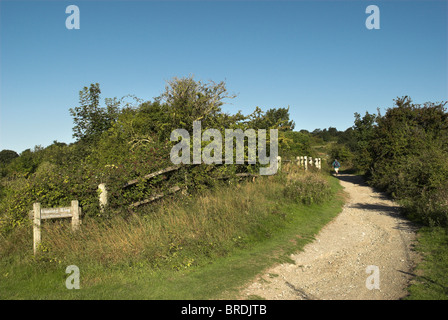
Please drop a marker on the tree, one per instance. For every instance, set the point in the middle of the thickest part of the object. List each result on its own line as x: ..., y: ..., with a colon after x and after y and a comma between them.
x: 90, y: 119
x: 405, y: 154
x: 275, y: 118
x: 26, y: 163
x: 187, y: 100
x: 342, y: 153
x: 279, y: 119
x: 298, y: 143
x: 363, y: 131
x: 6, y: 156
x: 347, y: 138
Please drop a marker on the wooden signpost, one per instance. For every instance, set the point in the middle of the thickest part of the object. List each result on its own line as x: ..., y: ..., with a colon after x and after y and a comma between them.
x: 38, y: 214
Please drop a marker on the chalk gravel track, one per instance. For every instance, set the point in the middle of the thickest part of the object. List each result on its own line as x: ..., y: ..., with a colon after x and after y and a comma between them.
x: 369, y: 231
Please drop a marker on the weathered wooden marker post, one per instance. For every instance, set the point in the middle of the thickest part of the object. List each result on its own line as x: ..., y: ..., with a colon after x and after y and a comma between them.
x: 74, y: 211
x: 36, y: 226
x: 102, y: 196
x: 38, y: 214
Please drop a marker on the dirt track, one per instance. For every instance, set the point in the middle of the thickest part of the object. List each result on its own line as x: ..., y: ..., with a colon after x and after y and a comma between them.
x: 368, y: 232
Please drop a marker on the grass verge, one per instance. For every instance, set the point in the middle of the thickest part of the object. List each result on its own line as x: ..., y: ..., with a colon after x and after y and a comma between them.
x: 431, y: 282
x: 204, y: 248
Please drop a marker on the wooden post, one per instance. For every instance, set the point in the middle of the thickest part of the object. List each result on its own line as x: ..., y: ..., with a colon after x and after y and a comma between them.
x: 36, y: 227
x: 74, y: 210
x: 305, y: 162
x: 102, y: 196
x: 38, y: 214
x: 298, y: 161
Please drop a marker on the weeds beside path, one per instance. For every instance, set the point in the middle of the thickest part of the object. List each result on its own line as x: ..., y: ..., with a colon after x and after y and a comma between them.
x: 201, y: 247
x: 369, y: 231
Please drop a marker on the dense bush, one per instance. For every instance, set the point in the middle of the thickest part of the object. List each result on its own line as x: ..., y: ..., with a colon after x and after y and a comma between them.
x: 122, y: 141
x: 295, y: 144
x: 405, y: 152
x: 343, y: 154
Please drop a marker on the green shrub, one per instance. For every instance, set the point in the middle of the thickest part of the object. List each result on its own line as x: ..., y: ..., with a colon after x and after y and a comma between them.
x: 343, y: 154
x: 406, y: 153
x: 121, y: 142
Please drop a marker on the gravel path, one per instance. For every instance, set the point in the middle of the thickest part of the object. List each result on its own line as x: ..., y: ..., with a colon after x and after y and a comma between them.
x: 368, y: 232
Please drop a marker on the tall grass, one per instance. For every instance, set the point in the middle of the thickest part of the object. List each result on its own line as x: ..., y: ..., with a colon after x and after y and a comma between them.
x: 174, y: 234
x: 306, y: 188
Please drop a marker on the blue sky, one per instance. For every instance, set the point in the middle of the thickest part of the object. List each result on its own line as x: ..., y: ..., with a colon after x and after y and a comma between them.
x: 317, y: 57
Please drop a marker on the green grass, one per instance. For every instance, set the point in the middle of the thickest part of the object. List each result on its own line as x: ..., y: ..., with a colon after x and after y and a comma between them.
x: 196, y: 259
x: 431, y: 282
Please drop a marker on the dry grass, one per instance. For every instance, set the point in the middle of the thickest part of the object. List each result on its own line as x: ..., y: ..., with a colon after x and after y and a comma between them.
x: 174, y: 233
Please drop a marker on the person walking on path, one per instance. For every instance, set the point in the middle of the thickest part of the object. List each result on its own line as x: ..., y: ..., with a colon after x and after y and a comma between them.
x: 336, y: 165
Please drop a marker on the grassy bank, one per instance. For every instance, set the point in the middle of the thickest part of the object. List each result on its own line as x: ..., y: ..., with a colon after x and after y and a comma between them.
x: 203, y: 247
x: 431, y: 282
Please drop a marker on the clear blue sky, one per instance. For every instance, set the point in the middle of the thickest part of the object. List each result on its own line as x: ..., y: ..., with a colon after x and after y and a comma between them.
x: 317, y: 57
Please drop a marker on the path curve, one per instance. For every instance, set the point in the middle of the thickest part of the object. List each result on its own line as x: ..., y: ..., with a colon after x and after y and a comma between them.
x: 369, y: 231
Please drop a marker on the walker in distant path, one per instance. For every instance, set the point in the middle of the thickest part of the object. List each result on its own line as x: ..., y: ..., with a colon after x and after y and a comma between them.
x: 336, y: 165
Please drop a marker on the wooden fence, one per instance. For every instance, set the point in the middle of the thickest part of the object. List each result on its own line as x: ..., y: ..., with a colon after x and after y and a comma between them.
x: 306, y: 161
x: 302, y: 161
x: 74, y: 211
